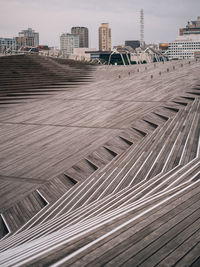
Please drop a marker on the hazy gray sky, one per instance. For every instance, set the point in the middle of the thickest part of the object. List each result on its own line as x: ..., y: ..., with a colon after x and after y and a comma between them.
x: 50, y: 18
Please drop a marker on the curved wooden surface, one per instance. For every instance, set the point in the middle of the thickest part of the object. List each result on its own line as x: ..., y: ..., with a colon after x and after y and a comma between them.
x: 99, y: 170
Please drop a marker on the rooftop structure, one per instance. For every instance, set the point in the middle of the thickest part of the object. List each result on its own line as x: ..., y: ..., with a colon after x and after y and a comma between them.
x: 119, y: 56
x: 163, y: 46
x: 104, y: 37
x: 193, y: 27
x: 82, y: 32
x: 99, y: 166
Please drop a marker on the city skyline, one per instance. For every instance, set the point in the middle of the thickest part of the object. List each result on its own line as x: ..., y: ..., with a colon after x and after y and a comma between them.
x: 51, y: 18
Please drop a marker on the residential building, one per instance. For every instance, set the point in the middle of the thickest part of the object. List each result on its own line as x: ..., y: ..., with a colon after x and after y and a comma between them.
x: 187, y: 43
x: 7, y: 44
x: 28, y: 38
x: 82, y: 32
x: 104, y: 37
x: 68, y: 42
x: 183, y: 48
x: 23, y: 42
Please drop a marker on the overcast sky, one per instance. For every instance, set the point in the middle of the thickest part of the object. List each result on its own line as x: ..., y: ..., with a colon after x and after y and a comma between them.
x: 162, y: 18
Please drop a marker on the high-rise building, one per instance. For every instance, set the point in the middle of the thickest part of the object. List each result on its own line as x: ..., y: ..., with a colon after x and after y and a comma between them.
x: 187, y: 43
x: 28, y: 38
x: 104, y: 37
x: 68, y: 42
x: 82, y: 32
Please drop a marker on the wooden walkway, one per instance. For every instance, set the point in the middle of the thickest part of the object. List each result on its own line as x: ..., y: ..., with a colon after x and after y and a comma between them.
x: 101, y: 167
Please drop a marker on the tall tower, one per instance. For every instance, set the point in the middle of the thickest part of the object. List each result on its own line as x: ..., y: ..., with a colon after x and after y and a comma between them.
x: 104, y: 37
x: 141, y: 28
x: 82, y: 32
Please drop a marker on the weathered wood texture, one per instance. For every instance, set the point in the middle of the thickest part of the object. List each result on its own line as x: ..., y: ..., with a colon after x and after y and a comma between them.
x: 101, y: 170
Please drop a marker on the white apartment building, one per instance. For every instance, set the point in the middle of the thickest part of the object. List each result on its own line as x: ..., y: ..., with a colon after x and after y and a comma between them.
x: 184, y: 47
x: 68, y: 42
x: 7, y: 44
x: 28, y: 38
x: 187, y: 44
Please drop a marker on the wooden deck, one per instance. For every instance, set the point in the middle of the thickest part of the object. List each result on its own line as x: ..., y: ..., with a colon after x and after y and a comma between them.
x: 99, y: 165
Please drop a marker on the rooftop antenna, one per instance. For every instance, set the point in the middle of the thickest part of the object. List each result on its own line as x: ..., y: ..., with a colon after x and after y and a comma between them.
x: 142, y: 28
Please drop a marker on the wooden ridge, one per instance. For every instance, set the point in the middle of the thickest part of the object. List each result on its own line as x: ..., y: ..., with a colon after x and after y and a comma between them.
x: 99, y: 170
